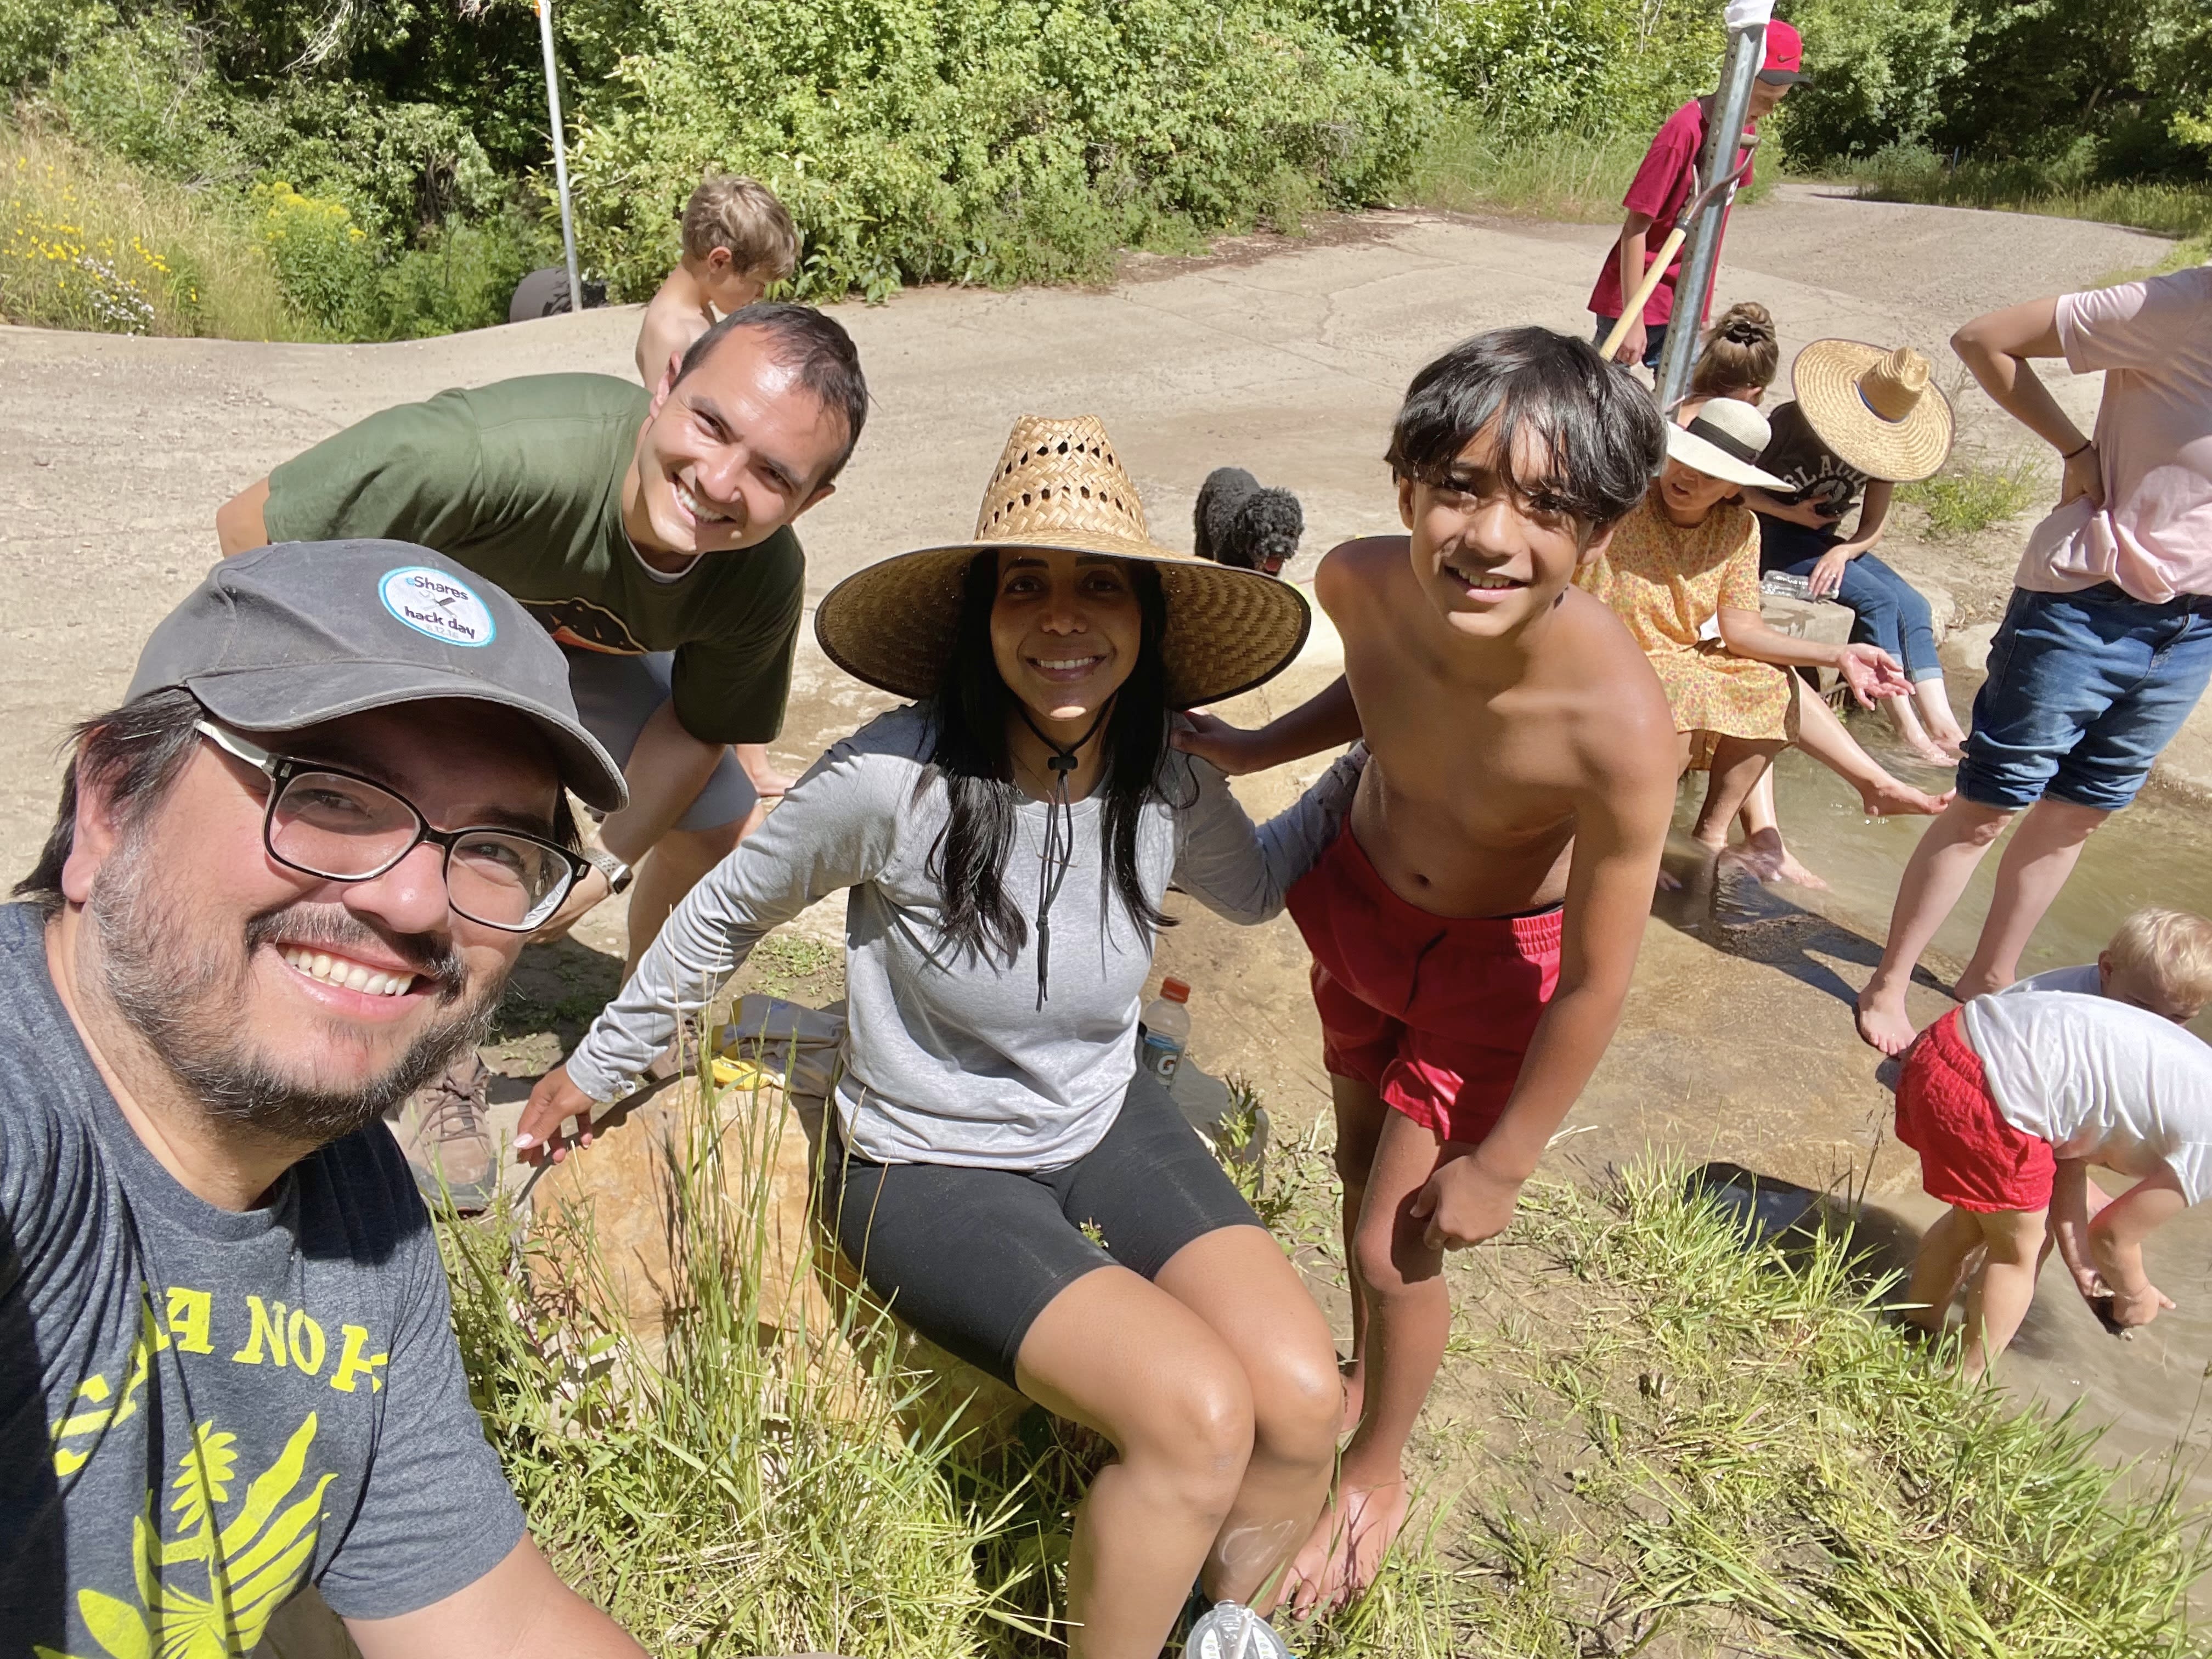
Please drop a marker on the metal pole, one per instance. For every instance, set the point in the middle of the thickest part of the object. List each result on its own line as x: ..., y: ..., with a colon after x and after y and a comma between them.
x: 559, y: 152
x: 1747, y: 51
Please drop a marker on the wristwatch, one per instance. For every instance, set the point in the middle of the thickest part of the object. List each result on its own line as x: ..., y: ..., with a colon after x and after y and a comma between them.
x: 617, y: 873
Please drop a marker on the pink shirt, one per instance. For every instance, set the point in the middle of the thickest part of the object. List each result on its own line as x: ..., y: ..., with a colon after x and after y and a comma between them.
x: 1666, y: 180
x: 2154, y: 535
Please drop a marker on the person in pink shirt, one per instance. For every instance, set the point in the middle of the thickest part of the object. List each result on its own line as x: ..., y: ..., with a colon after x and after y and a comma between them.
x: 1668, y: 179
x: 2108, y: 643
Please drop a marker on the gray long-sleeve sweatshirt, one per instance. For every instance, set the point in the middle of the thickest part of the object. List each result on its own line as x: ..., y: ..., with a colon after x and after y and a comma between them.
x: 952, y: 1062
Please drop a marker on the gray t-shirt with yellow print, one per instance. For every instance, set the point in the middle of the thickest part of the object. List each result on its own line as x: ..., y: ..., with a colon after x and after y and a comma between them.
x: 201, y: 1410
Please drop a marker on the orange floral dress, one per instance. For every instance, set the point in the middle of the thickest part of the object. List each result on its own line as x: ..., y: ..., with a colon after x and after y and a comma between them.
x: 1670, y: 585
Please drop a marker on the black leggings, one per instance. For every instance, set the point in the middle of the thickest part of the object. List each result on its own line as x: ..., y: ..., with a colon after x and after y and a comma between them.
x: 971, y: 1257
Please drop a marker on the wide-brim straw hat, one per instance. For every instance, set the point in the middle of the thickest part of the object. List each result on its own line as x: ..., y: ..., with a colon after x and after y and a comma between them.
x: 1874, y: 407
x: 1060, y: 484
x: 1724, y: 440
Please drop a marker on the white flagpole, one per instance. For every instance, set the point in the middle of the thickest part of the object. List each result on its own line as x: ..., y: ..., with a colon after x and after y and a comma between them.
x: 559, y: 152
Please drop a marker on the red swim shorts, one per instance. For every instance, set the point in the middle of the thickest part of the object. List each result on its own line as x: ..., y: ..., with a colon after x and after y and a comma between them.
x: 1433, y: 1012
x: 1970, y: 1156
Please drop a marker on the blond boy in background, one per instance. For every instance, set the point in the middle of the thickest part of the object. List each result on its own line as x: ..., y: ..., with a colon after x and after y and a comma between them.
x: 738, y: 240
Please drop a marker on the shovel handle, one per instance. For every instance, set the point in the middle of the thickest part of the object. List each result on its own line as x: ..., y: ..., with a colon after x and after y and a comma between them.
x: 1634, y: 309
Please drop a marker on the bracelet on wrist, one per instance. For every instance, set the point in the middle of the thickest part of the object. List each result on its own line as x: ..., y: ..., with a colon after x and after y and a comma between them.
x: 2086, y: 443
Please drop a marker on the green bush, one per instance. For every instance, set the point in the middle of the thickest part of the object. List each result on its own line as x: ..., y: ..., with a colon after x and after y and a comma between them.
x: 1879, y: 68
x: 337, y: 274
x: 987, y: 140
x: 1537, y: 66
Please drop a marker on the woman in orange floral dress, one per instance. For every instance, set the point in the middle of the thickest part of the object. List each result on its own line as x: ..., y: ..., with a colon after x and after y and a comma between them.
x: 1681, y: 571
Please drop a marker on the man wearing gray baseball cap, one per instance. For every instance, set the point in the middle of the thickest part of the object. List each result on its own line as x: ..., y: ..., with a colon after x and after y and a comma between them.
x: 286, y: 884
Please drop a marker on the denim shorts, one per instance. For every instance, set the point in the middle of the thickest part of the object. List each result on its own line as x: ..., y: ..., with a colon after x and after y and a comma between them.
x: 2084, y: 690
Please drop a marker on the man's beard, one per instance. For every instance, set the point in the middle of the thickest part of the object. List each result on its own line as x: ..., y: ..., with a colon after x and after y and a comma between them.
x: 185, y: 1003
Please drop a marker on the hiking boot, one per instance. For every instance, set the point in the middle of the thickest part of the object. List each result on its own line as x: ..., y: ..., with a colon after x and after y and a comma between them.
x: 1234, y: 1632
x: 441, y: 1129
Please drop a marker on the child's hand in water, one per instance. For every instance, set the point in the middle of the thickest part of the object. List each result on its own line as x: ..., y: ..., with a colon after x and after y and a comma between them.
x: 2133, y: 1308
x: 1464, y: 1204
x: 1872, y: 673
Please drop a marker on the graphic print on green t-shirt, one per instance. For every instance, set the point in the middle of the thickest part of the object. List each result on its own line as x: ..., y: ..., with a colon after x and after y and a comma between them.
x: 521, y: 481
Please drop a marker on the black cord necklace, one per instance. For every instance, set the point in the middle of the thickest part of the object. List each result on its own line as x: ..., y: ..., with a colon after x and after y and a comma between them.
x: 1058, y: 832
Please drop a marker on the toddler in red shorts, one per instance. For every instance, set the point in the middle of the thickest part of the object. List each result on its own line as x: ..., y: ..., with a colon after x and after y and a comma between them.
x: 2008, y: 1100
x: 1474, y: 926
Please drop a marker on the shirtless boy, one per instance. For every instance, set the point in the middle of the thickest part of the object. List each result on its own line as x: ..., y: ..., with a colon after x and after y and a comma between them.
x: 738, y: 240
x: 1476, y: 925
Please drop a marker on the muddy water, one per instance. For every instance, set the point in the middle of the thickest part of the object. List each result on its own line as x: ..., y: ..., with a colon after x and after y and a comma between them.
x: 2151, y: 1389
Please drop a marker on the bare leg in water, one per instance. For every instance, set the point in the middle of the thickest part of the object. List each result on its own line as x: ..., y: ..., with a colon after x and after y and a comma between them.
x: 1763, y: 853
x: 1934, y: 876
x: 1821, y: 734
x: 2036, y: 863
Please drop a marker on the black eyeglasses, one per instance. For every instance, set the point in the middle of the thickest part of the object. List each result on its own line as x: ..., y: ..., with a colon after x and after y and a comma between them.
x: 322, y: 821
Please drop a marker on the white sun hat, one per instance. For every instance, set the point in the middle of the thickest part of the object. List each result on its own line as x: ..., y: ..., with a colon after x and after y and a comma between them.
x: 1724, y: 440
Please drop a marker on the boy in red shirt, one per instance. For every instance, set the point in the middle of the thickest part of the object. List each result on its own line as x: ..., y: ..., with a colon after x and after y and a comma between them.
x: 1668, y: 179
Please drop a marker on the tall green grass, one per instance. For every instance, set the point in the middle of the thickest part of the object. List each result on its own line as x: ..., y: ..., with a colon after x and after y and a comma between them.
x: 1966, y: 496
x: 1468, y: 165
x: 1683, y: 1440
x: 2180, y: 210
x: 88, y: 241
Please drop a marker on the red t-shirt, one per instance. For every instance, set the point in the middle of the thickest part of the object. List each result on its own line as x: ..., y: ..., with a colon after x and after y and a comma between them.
x: 1666, y: 180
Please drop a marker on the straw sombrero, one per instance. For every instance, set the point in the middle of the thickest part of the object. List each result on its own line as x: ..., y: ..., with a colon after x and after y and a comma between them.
x: 1873, y: 407
x: 1060, y: 484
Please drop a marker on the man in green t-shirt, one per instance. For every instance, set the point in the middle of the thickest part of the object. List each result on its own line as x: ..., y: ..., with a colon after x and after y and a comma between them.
x: 651, y: 535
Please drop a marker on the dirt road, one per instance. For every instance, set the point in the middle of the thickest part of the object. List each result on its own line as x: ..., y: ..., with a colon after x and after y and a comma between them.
x: 1286, y: 359
x: 115, y: 453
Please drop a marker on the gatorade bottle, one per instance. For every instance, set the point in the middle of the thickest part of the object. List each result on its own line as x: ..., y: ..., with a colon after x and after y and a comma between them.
x: 1164, y: 1030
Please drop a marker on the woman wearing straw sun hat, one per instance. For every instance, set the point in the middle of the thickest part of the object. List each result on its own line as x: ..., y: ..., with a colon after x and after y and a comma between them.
x: 1865, y: 419
x: 998, y: 1168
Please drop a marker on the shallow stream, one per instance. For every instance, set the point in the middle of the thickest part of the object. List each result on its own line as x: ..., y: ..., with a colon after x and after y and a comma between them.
x: 2152, y: 1388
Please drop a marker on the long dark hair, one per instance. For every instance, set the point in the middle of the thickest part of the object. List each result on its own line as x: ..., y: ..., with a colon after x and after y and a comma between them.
x: 970, y: 754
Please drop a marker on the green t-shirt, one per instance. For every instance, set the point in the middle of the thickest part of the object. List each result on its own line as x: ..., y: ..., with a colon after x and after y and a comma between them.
x: 521, y: 481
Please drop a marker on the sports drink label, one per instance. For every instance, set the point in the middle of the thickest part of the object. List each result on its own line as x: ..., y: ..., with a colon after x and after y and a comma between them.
x: 1158, y: 1055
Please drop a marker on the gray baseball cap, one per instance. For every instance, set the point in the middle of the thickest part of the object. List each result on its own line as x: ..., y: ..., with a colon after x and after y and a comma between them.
x: 291, y: 636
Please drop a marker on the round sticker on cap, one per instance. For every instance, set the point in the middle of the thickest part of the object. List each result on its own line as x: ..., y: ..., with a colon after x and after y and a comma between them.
x: 431, y: 602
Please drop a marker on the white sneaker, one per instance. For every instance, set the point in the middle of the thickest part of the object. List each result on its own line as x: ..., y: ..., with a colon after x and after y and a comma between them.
x: 1233, y: 1631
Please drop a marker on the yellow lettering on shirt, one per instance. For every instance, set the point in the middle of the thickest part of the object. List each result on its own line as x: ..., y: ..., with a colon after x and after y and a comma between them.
x: 267, y: 1325
x: 94, y: 1392
x: 305, y: 1339
x: 190, y: 1312
x: 354, y: 1363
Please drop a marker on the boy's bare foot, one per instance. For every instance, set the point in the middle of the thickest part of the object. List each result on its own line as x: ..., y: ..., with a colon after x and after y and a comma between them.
x: 1884, y: 1025
x: 1888, y: 795
x: 1929, y: 750
x: 1345, y: 1550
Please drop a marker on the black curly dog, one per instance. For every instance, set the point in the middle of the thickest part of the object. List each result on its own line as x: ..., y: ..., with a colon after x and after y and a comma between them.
x: 1240, y: 522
